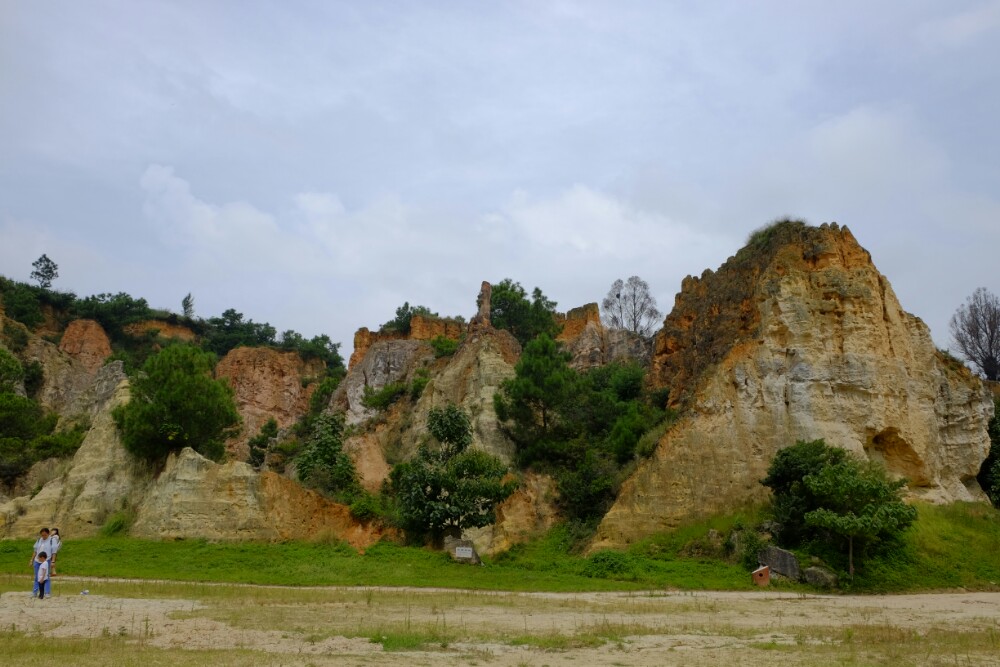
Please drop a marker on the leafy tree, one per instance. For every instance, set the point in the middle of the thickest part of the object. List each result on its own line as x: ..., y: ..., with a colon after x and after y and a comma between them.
x: 822, y: 493
x: 404, y: 314
x: 175, y: 404
x: 449, y: 488
x: 323, y: 464
x: 45, y: 271
x: 859, y: 503
x: 975, y: 328
x: 631, y: 307
x: 231, y: 330
x: 511, y: 309
x: 792, y: 500
x: 187, y: 306
x: 989, y: 473
x: 259, y: 443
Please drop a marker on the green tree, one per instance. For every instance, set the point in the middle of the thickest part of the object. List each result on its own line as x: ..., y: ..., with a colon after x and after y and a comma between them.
x: 45, y: 271
x: 530, y: 403
x: 792, y: 499
x: 187, y: 306
x: 404, y: 314
x: 511, y: 309
x: 989, y: 473
x: 231, y: 330
x: 858, y: 502
x: 822, y: 493
x: 175, y: 404
x: 449, y: 488
x: 323, y: 464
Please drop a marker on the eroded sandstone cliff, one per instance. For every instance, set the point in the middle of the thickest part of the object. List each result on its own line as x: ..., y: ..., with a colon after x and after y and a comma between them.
x: 798, y: 337
x: 267, y: 383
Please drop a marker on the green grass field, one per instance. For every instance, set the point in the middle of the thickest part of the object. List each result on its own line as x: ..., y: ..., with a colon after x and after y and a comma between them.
x: 949, y: 547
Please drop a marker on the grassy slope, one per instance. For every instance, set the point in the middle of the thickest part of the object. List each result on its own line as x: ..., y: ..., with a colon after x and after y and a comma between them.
x: 949, y: 547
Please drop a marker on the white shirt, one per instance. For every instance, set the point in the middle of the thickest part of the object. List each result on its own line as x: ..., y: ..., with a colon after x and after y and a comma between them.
x: 43, y: 544
x: 43, y: 572
x: 55, y: 543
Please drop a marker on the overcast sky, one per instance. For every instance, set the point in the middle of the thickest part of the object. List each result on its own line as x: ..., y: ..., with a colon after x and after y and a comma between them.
x: 315, y: 164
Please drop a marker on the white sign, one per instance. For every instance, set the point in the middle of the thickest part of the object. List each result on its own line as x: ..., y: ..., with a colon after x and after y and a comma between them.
x: 463, y: 552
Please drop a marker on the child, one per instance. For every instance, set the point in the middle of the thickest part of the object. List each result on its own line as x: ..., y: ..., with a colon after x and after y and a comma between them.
x: 43, y: 575
x: 56, y: 542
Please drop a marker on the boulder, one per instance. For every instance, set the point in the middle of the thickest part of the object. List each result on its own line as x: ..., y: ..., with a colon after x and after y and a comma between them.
x: 780, y: 561
x: 820, y: 577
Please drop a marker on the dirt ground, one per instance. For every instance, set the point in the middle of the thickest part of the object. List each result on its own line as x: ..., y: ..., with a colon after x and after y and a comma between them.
x: 342, y: 626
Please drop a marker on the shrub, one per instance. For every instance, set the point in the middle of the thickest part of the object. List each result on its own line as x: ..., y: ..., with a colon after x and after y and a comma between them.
x: 259, y: 444
x: 34, y: 378
x: 610, y: 564
x: 175, y: 404
x: 16, y: 337
x: 420, y: 380
x: 323, y: 464
x: 118, y: 523
x: 21, y: 303
x: 380, y: 399
x: 443, y: 346
x: 11, y: 371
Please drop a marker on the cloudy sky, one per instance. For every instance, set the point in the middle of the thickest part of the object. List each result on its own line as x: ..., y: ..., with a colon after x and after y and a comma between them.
x: 315, y: 164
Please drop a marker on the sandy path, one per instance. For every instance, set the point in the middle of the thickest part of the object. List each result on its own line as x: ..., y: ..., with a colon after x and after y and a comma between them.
x: 655, y: 628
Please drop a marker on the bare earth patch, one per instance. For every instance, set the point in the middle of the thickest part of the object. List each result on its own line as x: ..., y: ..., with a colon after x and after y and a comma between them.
x: 370, y: 626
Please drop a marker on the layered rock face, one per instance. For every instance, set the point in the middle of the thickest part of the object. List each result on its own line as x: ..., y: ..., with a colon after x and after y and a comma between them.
x: 196, y: 498
x: 798, y: 338
x: 421, y: 328
x: 267, y: 383
x: 102, y: 478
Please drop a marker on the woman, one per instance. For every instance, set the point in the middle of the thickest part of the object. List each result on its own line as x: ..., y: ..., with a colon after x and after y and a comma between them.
x: 55, y: 543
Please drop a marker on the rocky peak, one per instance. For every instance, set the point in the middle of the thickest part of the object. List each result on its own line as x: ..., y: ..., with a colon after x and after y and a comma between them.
x: 798, y: 337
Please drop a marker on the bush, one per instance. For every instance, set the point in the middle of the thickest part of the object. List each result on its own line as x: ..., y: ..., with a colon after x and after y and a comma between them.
x: 15, y: 336
x: 443, y: 346
x: 405, y: 313
x: 380, y: 399
x: 610, y: 564
x: 260, y: 443
x: 113, y: 312
x: 21, y: 303
x: 34, y: 378
x: 175, y: 404
x: 118, y: 523
x: 323, y: 464
x: 420, y: 380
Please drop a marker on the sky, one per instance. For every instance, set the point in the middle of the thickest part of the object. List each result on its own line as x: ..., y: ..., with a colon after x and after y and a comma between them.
x: 316, y: 164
